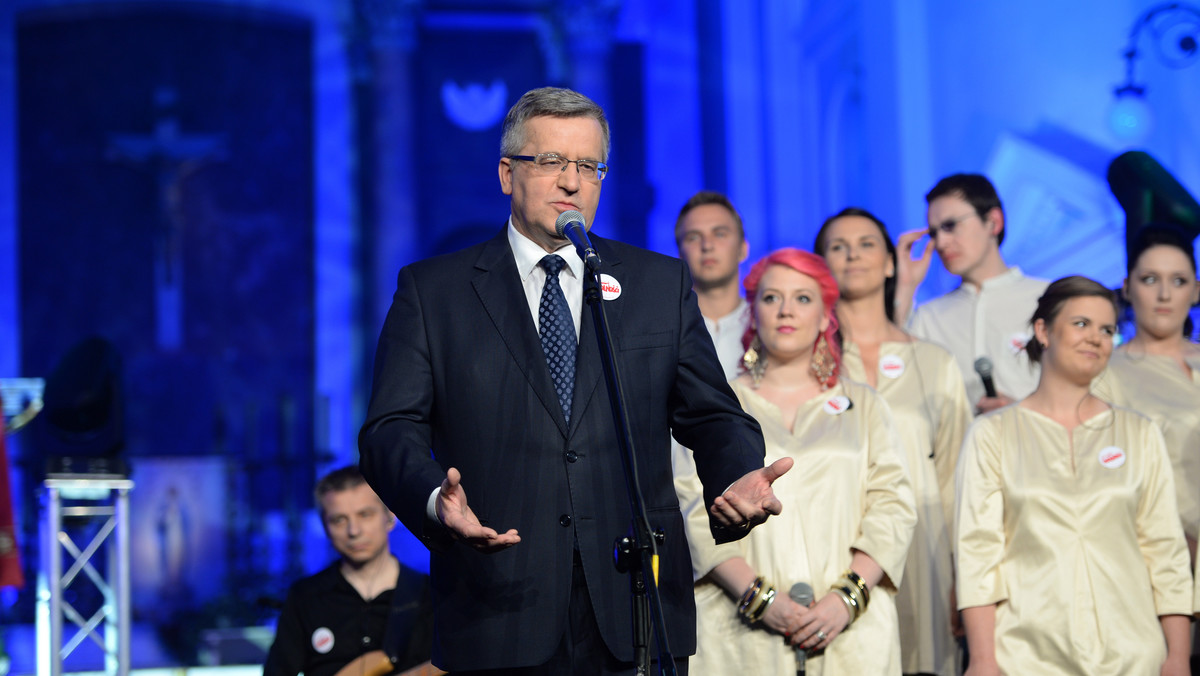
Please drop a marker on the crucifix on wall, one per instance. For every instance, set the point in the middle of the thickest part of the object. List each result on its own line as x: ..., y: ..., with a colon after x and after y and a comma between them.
x: 173, y: 157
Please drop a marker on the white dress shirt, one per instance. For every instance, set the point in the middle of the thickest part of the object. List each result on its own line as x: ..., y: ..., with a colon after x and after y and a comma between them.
x: 992, y: 321
x: 533, y: 277
x: 533, y: 280
x: 727, y: 335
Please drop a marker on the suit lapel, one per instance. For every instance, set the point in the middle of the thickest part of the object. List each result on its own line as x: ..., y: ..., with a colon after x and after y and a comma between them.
x: 498, y: 285
x: 589, y: 369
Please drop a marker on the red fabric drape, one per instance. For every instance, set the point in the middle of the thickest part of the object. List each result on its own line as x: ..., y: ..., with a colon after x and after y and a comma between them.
x: 10, y: 561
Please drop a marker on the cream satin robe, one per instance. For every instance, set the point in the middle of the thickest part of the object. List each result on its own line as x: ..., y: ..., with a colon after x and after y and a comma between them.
x: 1075, y: 538
x: 848, y: 490
x: 1156, y: 387
x: 923, y: 386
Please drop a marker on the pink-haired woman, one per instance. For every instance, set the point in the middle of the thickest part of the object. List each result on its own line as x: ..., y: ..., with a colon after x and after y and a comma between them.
x: 848, y: 507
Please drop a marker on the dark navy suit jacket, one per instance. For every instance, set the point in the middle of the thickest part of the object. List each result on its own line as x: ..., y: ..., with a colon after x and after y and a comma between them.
x: 460, y: 372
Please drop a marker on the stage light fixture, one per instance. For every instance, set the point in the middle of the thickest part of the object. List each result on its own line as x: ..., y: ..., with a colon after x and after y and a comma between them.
x: 1150, y: 194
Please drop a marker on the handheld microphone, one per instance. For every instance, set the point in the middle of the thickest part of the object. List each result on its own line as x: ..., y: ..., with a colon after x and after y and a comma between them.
x: 801, y: 593
x: 983, y: 366
x: 570, y: 225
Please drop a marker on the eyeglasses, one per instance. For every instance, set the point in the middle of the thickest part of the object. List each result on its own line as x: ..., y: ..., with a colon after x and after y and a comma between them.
x: 947, y: 226
x: 552, y: 164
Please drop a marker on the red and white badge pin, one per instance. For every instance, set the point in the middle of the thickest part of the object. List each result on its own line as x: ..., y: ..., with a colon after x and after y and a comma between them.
x: 837, y: 405
x: 322, y: 640
x: 891, y: 365
x: 610, y: 288
x: 1112, y: 457
x: 1017, y: 341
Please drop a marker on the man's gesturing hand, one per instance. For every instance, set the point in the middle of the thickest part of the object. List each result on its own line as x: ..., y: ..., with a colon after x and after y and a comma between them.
x: 455, y: 515
x: 750, y: 500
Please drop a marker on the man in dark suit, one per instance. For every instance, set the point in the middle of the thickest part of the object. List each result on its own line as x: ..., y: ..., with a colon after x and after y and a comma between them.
x: 480, y: 360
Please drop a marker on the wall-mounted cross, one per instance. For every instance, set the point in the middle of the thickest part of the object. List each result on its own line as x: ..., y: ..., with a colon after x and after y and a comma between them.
x: 173, y: 156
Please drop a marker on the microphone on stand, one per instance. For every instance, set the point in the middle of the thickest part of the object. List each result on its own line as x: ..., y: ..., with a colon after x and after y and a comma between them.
x: 801, y: 593
x: 983, y: 366
x: 570, y: 225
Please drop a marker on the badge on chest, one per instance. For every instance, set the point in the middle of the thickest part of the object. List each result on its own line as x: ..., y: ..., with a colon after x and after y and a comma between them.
x: 1112, y: 457
x: 837, y: 405
x: 891, y: 366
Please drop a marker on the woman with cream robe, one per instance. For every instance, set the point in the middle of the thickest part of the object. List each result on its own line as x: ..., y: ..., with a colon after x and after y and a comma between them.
x: 1070, y: 555
x: 1156, y: 386
x: 1158, y: 372
x: 923, y: 386
x: 849, y: 511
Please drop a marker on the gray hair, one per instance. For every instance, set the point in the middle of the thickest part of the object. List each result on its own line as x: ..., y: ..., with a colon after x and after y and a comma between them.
x: 548, y: 102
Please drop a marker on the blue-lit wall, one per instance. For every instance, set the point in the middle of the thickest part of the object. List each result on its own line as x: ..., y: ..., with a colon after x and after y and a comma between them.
x: 795, y: 109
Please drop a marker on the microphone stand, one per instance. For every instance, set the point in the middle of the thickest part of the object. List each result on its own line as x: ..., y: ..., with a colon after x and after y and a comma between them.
x: 637, y: 552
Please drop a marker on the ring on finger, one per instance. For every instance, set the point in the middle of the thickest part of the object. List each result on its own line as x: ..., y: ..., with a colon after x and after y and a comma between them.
x: 820, y: 635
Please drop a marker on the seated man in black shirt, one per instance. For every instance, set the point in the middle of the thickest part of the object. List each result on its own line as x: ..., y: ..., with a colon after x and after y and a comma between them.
x: 365, y: 606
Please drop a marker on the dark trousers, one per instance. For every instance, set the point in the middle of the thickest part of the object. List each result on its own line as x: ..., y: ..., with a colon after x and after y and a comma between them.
x: 582, y: 651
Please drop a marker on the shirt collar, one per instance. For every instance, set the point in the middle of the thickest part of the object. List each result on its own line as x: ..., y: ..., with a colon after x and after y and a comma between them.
x: 1009, y: 276
x: 528, y: 254
x: 739, y: 313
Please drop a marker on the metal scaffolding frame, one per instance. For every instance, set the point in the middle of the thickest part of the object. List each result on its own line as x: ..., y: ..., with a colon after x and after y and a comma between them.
x: 102, y: 496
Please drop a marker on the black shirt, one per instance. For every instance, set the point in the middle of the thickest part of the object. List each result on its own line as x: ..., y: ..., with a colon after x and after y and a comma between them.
x: 325, y: 624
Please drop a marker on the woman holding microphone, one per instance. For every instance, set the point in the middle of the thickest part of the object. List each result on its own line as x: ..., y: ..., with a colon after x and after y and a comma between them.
x: 847, y: 517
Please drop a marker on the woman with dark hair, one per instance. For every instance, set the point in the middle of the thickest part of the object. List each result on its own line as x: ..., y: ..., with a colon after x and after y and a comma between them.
x: 847, y: 518
x: 1069, y: 552
x: 1158, y: 371
x: 923, y: 386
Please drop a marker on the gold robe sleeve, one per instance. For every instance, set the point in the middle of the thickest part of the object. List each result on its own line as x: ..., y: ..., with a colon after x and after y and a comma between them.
x: 1160, y: 536
x: 889, y: 514
x: 979, y: 543
x: 1196, y: 600
x: 1156, y: 387
x: 954, y: 417
x: 706, y: 553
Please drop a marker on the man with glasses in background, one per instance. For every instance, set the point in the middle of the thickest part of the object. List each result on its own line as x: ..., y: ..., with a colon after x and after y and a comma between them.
x: 488, y: 378
x: 988, y: 314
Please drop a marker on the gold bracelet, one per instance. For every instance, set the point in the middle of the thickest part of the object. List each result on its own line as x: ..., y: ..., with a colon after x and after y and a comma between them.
x: 849, y: 605
x: 749, y: 595
x: 849, y: 591
x: 861, y: 584
x: 855, y: 592
x: 768, y: 597
x: 756, y: 605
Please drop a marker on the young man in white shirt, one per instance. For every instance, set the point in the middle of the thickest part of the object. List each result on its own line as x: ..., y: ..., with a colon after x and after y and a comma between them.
x: 712, y: 242
x: 988, y: 314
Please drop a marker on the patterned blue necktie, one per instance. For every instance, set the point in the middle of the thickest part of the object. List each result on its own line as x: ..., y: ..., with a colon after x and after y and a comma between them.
x: 558, y: 333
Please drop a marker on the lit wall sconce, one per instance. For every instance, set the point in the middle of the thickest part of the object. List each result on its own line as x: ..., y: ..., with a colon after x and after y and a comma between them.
x: 1175, y: 34
x: 1130, y: 117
